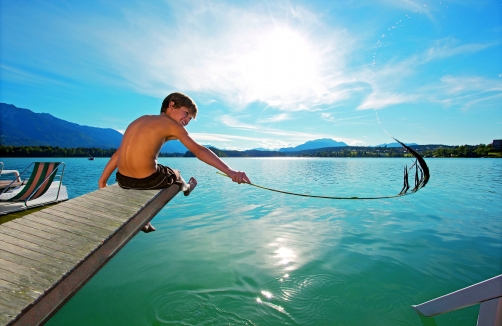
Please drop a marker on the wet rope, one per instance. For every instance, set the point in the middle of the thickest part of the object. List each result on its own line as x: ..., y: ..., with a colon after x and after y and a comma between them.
x: 420, y: 182
x: 307, y: 195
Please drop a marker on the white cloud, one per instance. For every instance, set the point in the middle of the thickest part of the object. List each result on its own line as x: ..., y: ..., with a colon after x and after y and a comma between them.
x: 391, y: 81
x: 198, y: 136
x: 459, y: 85
x: 294, y: 137
x: 23, y: 76
x: 234, y: 123
x: 330, y: 118
x: 448, y: 47
x: 464, y: 92
x: 273, y: 144
x: 327, y: 117
x: 276, y: 118
x: 239, y: 54
x: 382, y: 100
x: 226, y: 141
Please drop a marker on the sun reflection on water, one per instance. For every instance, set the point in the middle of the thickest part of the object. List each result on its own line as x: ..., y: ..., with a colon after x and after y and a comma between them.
x: 284, y: 255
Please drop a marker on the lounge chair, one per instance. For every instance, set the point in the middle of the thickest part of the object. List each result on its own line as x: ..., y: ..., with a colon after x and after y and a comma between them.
x: 32, y: 193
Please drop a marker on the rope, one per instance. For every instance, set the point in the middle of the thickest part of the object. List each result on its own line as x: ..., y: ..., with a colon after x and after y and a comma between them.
x: 420, y: 182
x: 314, y: 196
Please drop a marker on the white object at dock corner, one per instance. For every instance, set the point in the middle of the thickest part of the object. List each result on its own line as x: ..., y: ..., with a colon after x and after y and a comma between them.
x: 2, y: 171
x: 488, y: 293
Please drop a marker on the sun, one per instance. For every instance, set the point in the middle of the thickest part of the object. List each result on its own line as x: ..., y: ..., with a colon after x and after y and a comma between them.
x: 281, y: 64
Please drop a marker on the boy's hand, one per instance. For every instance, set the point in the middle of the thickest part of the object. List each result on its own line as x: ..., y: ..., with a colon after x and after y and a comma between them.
x: 239, y: 177
x: 102, y: 185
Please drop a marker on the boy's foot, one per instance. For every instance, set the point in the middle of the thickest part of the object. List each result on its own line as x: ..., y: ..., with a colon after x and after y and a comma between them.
x: 191, y: 186
x: 148, y: 228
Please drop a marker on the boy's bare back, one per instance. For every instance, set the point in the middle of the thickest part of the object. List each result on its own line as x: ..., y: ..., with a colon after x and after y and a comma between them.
x: 142, y: 142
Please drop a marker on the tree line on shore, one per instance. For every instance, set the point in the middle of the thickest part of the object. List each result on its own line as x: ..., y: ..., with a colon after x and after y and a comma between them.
x: 50, y: 151
x: 480, y: 150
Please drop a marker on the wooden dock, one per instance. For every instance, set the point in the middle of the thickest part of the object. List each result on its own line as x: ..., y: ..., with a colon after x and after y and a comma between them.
x: 47, y: 256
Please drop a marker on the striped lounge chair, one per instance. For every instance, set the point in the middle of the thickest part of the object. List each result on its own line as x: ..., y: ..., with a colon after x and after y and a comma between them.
x: 39, y: 182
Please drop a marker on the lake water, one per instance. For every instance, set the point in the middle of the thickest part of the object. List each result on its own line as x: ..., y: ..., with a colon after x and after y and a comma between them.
x: 232, y: 254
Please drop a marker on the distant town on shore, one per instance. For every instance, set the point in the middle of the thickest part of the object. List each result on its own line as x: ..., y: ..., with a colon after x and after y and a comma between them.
x: 480, y: 150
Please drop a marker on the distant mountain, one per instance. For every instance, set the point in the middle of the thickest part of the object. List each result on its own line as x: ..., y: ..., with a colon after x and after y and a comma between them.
x: 22, y: 127
x: 395, y: 145
x: 314, y: 144
x: 174, y: 146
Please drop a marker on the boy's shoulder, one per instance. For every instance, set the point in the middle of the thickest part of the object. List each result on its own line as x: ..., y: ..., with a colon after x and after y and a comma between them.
x: 164, y: 118
x: 159, y: 122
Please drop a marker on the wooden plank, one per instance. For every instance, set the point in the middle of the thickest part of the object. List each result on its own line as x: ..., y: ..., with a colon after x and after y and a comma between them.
x: 106, y: 198
x: 135, y: 197
x: 41, y: 242
x: 73, y: 224
x: 88, y: 219
x: 125, y: 196
x: 47, y: 220
x: 18, y: 273
x: 34, y: 283
x: 10, y: 301
x: 9, y: 249
x: 79, y: 217
x: 40, y: 228
x: 17, y: 291
x: 7, y: 314
x: 97, y: 210
x: 129, y: 192
x: 41, y: 266
x: 83, y: 214
x: 5, y: 238
x: 103, y: 206
x: 61, y: 238
x: 110, y: 201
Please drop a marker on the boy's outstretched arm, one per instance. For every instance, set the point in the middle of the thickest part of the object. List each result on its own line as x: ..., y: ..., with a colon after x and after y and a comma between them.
x: 208, y: 157
x: 108, y: 170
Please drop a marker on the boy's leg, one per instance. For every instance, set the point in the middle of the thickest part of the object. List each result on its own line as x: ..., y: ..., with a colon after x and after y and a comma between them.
x: 186, y: 188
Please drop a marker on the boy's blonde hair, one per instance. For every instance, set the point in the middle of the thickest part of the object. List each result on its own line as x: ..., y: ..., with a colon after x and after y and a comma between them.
x: 179, y: 100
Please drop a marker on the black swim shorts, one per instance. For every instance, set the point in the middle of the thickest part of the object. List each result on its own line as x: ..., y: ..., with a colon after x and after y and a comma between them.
x: 163, y: 178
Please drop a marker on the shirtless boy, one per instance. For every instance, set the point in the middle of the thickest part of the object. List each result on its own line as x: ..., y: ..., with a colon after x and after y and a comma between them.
x: 136, y: 158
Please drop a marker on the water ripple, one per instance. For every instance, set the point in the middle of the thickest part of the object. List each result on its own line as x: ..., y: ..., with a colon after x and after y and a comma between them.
x: 191, y: 308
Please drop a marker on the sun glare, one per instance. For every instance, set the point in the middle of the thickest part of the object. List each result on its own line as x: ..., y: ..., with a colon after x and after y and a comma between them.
x: 281, y: 64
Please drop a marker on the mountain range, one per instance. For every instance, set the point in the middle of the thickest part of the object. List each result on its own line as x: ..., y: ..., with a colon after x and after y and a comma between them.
x: 314, y: 144
x: 23, y: 127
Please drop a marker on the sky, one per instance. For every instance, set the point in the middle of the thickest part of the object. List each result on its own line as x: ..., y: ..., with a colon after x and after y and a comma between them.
x: 264, y: 74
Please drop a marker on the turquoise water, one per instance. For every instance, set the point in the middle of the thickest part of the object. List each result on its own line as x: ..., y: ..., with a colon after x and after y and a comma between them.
x: 232, y: 254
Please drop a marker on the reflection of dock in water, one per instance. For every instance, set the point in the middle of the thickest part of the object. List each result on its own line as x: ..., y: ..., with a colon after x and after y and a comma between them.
x: 47, y: 256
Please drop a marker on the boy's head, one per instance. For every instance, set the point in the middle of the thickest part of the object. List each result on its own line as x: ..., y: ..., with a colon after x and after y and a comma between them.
x: 179, y: 100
